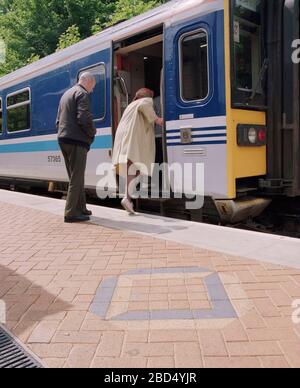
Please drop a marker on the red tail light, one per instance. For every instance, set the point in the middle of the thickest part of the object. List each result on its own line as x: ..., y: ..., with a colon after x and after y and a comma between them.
x: 251, y: 135
x: 262, y: 135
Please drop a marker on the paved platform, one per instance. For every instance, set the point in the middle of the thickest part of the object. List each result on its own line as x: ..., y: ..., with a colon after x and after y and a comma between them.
x: 145, y: 291
x: 252, y: 245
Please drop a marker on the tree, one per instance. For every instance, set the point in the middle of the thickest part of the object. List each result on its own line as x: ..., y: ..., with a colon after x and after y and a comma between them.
x: 126, y: 9
x: 30, y: 28
x: 86, y: 13
x: 33, y: 29
x: 5, y: 6
x: 12, y: 62
x: 71, y: 36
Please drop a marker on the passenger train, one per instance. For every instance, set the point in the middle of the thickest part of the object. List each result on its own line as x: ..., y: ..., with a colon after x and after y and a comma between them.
x: 228, y: 87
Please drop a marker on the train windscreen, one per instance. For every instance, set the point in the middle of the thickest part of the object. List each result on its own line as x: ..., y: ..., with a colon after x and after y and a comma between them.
x: 249, y: 62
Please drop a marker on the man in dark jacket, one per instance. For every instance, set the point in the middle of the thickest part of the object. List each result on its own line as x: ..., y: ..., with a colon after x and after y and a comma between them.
x: 76, y: 133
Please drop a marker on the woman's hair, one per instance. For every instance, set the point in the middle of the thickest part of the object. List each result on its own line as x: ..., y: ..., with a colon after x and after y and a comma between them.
x: 143, y: 93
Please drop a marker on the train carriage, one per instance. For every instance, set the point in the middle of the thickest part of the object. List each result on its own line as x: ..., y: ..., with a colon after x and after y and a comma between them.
x: 229, y: 91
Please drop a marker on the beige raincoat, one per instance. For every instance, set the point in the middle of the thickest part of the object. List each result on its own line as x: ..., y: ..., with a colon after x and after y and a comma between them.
x: 135, y: 138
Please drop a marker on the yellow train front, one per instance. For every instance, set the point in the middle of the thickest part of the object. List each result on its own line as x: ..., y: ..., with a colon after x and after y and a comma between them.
x: 262, y: 104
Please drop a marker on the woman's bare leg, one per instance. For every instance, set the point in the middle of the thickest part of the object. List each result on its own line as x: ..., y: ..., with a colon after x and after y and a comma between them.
x: 127, y: 201
x: 130, y: 179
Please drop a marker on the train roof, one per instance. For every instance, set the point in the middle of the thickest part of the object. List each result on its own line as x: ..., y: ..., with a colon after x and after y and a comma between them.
x: 171, y: 12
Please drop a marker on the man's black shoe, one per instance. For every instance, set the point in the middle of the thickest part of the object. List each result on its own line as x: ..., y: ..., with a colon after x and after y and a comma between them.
x: 87, y: 213
x: 82, y: 218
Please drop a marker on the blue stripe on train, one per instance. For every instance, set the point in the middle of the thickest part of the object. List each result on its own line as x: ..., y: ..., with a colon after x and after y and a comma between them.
x: 199, y: 129
x: 101, y: 142
x: 197, y: 143
x: 199, y: 136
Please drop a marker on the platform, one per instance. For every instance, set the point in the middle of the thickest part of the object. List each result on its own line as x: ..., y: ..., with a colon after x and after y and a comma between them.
x: 145, y: 291
x: 253, y: 245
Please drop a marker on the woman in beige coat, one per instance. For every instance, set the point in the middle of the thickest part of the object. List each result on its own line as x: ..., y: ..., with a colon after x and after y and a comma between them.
x: 135, y: 141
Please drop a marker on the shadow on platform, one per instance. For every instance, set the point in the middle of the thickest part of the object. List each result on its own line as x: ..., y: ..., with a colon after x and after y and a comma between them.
x: 24, y: 304
x: 131, y: 226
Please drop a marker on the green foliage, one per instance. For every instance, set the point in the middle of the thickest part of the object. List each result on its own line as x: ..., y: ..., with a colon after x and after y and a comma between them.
x: 30, y: 28
x: 33, y: 29
x: 71, y: 36
x: 13, y: 62
x: 5, y: 6
x: 126, y: 9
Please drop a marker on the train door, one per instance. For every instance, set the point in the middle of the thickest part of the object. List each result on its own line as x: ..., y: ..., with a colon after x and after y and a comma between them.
x: 283, y: 98
x: 195, y: 106
x: 138, y: 63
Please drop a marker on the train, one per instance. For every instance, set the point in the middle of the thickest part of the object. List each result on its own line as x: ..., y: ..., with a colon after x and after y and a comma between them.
x: 228, y: 81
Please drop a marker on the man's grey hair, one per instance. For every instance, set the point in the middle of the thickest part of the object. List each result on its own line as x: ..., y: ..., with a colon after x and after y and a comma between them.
x: 87, y: 76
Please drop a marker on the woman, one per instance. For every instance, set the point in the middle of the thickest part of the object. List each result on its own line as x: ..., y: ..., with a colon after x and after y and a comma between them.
x: 134, y: 147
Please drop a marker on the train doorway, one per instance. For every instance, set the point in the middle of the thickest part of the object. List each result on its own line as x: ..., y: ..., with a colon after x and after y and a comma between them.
x: 138, y: 63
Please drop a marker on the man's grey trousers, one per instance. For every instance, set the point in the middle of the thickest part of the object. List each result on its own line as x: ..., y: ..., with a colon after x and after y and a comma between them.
x: 75, y: 159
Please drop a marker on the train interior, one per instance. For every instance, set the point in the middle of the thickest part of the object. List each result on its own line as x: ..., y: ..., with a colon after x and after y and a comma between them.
x: 138, y: 63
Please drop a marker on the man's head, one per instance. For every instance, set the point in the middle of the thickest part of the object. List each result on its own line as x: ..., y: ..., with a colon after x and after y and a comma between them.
x: 88, y: 81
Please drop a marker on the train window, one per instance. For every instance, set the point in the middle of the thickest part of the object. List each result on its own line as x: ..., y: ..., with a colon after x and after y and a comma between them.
x: 18, y: 111
x: 98, y: 97
x: 1, y: 122
x: 248, y: 50
x: 194, y: 66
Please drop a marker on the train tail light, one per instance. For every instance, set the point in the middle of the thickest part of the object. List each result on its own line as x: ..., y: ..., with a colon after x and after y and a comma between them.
x: 251, y: 135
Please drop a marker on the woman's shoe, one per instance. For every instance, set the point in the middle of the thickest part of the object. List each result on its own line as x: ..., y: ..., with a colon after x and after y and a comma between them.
x: 128, y: 206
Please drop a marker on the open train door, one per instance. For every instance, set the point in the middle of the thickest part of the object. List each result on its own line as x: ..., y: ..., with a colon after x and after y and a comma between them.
x: 283, y: 98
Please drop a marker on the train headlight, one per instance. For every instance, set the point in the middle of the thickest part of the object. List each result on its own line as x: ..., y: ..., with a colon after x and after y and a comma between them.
x: 251, y: 135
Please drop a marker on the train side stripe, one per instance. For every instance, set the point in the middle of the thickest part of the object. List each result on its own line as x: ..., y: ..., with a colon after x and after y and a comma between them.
x: 208, y: 129
x: 31, y: 137
x: 101, y: 142
x: 199, y: 136
x: 204, y: 122
x: 197, y: 143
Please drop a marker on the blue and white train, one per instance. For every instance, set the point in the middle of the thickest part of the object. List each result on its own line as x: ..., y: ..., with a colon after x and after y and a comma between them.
x: 218, y: 75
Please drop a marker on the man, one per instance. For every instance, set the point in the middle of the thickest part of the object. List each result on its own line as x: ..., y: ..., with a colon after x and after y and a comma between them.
x: 135, y: 142
x: 76, y: 133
